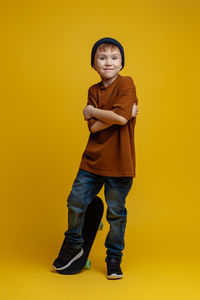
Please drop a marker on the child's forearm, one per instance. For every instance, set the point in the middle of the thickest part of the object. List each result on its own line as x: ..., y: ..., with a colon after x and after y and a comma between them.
x: 99, y: 125
x: 107, y: 116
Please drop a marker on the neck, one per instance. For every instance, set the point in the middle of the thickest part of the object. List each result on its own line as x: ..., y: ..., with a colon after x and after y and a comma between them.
x: 106, y: 82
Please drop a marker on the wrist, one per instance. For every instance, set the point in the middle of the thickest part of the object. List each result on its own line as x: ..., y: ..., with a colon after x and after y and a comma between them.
x: 93, y: 111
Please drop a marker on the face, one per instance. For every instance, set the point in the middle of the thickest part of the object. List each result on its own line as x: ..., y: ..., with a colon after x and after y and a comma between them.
x: 108, y: 63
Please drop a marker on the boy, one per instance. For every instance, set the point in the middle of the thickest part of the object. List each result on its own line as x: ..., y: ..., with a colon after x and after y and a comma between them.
x: 109, y: 157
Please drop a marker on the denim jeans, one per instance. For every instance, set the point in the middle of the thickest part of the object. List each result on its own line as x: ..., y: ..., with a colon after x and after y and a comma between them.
x: 85, y: 187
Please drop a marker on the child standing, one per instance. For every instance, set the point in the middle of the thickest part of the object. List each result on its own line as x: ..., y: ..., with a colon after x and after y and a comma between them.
x: 108, y: 159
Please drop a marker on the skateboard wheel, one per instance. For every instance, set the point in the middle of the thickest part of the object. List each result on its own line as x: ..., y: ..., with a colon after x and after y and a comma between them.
x: 87, y: 265
x: 101, y: 226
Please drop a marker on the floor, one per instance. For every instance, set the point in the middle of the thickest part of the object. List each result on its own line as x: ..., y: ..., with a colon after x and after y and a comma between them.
x: 145, y: 278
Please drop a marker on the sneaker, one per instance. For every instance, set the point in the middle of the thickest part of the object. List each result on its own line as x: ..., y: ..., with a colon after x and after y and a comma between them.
x: 67, y: 256
x: 113, y: 268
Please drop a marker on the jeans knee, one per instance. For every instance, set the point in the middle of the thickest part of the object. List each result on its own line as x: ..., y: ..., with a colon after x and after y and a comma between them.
x: 75, y: 203
x: 116, y: 213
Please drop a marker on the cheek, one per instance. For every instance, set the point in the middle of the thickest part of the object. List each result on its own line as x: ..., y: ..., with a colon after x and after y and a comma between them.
x: 100, y: 65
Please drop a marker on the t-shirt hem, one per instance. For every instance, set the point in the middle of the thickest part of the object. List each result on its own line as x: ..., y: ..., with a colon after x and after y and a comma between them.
x: 105, y: 173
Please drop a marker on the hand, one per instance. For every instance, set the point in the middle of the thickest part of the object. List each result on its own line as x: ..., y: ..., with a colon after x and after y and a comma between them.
x: 87, y: 112
x: 134, y: 110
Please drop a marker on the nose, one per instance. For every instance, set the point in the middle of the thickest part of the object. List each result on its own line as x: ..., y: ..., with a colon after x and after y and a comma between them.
x: 108, y: 62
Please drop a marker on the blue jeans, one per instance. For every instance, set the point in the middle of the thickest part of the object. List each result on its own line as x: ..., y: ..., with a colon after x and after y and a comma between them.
x: 85, y: 187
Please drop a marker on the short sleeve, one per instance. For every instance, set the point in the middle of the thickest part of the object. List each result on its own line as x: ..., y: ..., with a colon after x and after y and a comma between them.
x: 90, y: 122
x: 91, y: 98
x: 126, y: 98
x: 91, y: 101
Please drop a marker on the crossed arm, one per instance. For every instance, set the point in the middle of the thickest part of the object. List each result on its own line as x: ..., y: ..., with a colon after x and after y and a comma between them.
x: 105, y: 118
x: 99, y: 125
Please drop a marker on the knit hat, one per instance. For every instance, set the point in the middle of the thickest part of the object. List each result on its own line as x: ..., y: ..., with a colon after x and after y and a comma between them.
x: 107, y: 40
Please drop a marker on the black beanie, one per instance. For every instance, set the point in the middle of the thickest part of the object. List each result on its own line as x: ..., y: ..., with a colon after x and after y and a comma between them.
x: 107, y: 40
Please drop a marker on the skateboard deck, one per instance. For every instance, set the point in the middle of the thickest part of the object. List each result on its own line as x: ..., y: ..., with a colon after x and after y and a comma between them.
x: 92, y: 220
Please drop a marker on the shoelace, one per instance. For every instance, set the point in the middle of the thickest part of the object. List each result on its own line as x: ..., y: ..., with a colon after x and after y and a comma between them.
x: 66, y: 251
x: 113, y: 265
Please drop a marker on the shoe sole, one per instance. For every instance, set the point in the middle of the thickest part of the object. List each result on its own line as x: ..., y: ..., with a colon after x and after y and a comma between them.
x: 71, y: 261
x: 114, y: 276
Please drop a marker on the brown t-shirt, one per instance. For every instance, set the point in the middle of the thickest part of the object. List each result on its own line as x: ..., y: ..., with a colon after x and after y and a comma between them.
x: 111, y: 151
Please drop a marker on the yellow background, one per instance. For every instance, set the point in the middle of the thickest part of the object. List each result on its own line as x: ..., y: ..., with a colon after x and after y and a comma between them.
x: 45, y: 76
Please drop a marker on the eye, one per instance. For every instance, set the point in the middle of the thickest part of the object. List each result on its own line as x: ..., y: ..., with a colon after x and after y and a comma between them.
x: 115, y: 57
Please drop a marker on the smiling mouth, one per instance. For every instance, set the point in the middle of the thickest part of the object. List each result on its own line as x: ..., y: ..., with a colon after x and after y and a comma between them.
x: 108, y: 69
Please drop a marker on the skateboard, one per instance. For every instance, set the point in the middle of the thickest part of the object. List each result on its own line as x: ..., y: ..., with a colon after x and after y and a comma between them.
x: 92, y: 223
